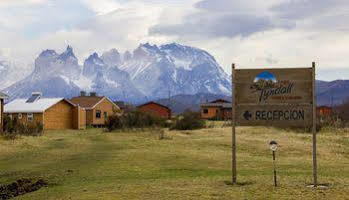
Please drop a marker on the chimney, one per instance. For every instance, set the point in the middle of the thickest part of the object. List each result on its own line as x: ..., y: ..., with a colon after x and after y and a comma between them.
x: 93, y: 94
x: 82, y: 93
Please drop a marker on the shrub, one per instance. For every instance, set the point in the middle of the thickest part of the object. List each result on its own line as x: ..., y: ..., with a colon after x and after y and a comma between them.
x: 14, y: 128
x: 133, y: 119
x: 113, y: 122
x: 188, y: 121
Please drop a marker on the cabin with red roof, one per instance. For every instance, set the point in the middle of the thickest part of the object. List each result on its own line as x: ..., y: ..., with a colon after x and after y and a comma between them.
x: 98, y: 108
x: 156, y: 109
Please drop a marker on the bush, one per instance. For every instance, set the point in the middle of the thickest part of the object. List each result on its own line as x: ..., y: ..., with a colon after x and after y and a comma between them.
x: 188, y: 121
x: 133, y: 119
x: 13, y: 128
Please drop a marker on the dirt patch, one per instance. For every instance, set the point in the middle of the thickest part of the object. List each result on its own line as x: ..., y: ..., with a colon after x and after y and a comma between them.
x: 21, y: 187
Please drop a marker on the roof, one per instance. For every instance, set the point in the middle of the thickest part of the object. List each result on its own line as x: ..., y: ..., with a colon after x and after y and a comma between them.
x: 220, y: 100
x: 152, y: 102
x: 86, y: 101
x: 321, y: 107
x: 89, y: 102
x: 38, y: 106
x: 223, y: 105
x: 3, y: 95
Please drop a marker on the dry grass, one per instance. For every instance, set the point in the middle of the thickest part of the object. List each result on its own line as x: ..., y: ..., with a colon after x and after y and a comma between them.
x: 190, y: 165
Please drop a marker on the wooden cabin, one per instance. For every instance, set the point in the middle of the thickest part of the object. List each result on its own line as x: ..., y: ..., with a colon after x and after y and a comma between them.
x: 156, y: 109
x: 324, y: 111
x: 52, y: 113
x: 2, y: 98
x: 98, y: 108
x: 216, y: 110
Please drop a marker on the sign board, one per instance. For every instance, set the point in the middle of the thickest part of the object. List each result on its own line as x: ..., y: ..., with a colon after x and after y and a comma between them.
x: 274, y: 115
x: 273, y: 97
x: 281, y: 97
x: 273, y: 86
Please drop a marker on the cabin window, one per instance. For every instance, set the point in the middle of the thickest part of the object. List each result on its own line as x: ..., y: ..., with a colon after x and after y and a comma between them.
x: 19, y: 115
x: 205, y: 111
x: 30, y: 117
x: 105, y: 114
x: 98, y: 114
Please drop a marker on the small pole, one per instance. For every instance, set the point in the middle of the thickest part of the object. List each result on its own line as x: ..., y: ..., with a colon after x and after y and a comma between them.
x: 233, y: 138
x: 314, y: 129
x: 273, y: 146
x: 274, y: 166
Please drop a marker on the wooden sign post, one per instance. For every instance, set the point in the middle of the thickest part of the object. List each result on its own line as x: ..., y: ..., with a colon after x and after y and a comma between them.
x: 314, y: 129
x: 273, y: 97
x: 233, y: 140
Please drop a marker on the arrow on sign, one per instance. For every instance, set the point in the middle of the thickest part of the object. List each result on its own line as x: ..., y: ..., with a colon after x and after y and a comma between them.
x: 247, y: 115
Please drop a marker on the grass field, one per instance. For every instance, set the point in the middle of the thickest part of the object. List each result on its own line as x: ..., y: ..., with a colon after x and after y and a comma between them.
x: 185, y: 165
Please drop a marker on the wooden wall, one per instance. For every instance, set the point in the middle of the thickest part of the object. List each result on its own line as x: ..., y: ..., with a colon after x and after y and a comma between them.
x: 212, y: 112
x: 79, y: 118
x: 59, y: 116
x: 104, y: 106
x: 156, y: 110
x: 89, y: 117
x: 37, y: 118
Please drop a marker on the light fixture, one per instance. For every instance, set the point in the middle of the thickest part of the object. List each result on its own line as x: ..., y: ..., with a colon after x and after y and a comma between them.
x: 273, y: 145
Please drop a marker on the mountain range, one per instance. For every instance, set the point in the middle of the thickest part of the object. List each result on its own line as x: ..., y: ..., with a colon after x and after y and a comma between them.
x: 332, y: 93
x: 149, y: 72
x: 188, y: 75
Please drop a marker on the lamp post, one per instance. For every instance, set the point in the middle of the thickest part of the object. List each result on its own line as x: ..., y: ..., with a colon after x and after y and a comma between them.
x: 273, y: 146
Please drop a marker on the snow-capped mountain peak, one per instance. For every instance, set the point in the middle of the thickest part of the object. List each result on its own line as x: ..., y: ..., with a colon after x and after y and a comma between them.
x: 150, y: 71
x: 48, y: 53
x: 111, y: 57
x: 177, y: 69
x: 94, y: 58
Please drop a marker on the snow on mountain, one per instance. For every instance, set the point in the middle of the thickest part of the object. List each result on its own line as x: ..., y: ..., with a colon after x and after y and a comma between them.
x: 175, y: 69
x: 60, y: 75
x: 53, y: 75
x: 109, y: 80
x: 11, y: 71
x: 112, y: 57
x: 149, y: 72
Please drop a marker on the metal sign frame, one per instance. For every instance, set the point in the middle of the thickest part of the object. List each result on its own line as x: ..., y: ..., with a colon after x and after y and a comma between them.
x: 311, y: 108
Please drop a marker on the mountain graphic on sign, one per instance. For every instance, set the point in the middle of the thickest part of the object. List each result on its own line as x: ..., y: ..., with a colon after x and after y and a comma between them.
x: 264, y: 80
x: 266, y: 76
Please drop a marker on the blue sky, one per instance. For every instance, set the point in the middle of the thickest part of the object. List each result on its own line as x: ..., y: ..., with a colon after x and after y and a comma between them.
x: 272, y: 33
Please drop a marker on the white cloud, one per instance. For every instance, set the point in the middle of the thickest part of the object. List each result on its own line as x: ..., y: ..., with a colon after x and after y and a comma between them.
x: 9, y: 3
x: 250, y: 33
x: 102, y: 7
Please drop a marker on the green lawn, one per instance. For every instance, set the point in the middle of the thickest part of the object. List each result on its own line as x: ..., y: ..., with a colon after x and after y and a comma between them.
x: 187, y: 165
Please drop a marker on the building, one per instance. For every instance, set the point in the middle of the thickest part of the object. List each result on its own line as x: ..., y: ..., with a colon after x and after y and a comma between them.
x: 156, y: 109
x: 124, y: 107
x: 219, y: 109
x: 52, y: 113
x: 324, y: 111
x: 2, y: 98
x: 98, y: 108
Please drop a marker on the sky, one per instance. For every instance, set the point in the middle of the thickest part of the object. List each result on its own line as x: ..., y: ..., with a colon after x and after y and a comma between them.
x: 253, y: 33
